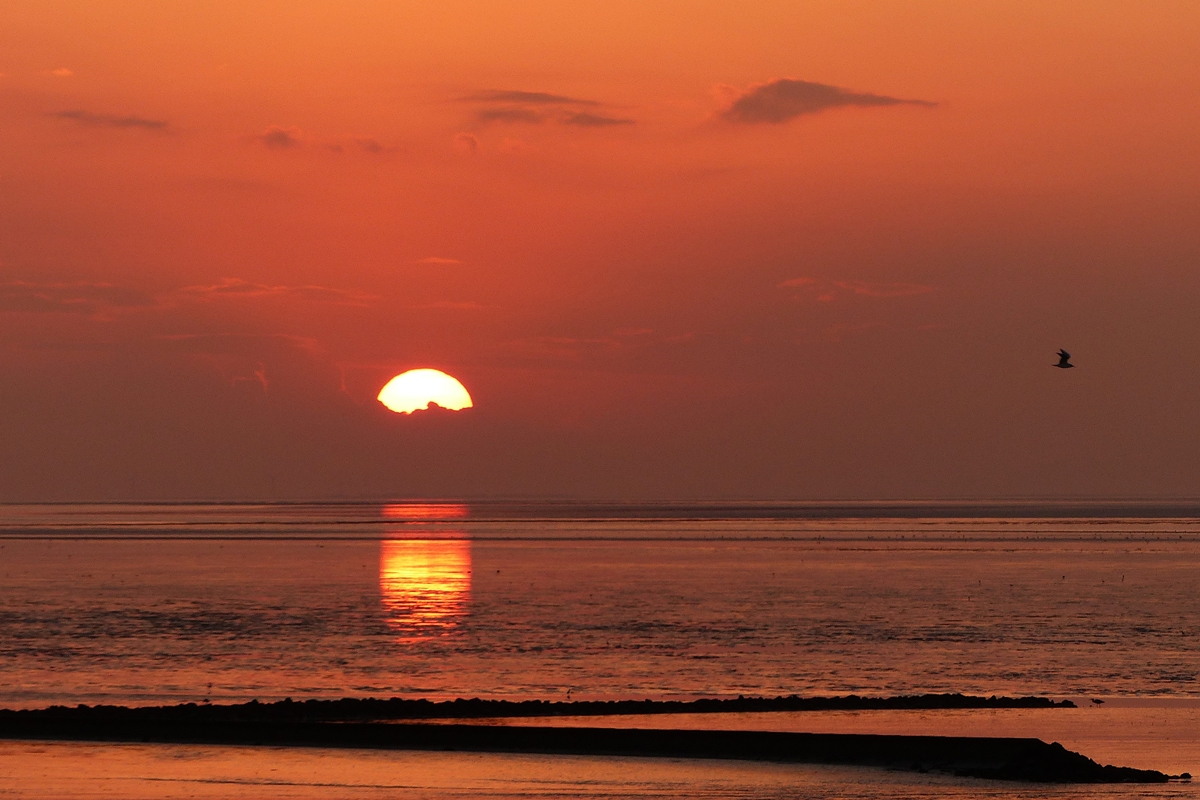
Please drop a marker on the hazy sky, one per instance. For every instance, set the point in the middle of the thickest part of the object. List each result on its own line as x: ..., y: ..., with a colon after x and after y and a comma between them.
x: 673, y: 249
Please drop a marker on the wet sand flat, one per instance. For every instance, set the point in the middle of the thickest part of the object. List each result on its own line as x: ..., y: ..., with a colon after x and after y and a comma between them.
x: 1160, y: 734
x: 85, y: 771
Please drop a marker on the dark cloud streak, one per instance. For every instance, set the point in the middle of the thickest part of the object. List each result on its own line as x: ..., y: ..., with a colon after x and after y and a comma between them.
x: 528, y: 98
x: 100, y: 299
x: 894, y: 289
x: 512, y: 106
x: 242, y: 344
x: 93, y: 119
x: 827, y: 291
x: 585, y: 120
x: 239, y: 288
x: 509, y: 115
x: 785, y: 99
x: 69, y: 298
x: 280, y: 138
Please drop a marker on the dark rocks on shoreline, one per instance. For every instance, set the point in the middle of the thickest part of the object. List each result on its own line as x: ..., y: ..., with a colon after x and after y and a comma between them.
x: 366, y: 709
x: 370, y: 723
x: 1030, y: 760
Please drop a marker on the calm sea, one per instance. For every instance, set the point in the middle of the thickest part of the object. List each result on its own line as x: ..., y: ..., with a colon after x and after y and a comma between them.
x: 173, y: 603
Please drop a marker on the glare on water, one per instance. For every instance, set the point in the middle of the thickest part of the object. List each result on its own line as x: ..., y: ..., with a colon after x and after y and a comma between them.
x: 424, y: 584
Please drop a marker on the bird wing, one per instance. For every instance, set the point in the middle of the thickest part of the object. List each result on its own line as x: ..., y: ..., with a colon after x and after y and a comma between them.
x: 1064, y: 355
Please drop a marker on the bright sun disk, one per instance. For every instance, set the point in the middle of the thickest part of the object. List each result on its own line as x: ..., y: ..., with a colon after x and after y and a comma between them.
x: 416, y: 389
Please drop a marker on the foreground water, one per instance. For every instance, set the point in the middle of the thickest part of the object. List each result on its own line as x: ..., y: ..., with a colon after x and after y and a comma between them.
x: 138, y: 771
x: 153, y: 604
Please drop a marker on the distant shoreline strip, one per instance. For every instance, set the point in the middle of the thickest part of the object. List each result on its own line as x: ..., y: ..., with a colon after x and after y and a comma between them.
x: 370, y: 709
x: 339, y: 513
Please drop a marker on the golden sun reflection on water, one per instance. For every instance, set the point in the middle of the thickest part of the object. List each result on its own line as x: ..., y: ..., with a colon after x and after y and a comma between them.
x: 424, y: 512
x: 425, y: 585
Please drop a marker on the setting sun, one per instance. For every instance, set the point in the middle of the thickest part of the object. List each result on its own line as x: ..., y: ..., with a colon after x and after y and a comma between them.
x: 416, y: 389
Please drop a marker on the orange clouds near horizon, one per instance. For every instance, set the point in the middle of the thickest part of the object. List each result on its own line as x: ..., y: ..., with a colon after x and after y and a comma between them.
x: 799, y: 250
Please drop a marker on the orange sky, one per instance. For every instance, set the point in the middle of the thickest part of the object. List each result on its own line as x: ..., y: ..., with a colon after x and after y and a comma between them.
x: 674, y: 250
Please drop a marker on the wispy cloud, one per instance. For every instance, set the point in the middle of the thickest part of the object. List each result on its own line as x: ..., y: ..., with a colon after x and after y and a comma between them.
x: 452, y: 305
x: 281, y: 138
x: 239, y: 288
x: 525, y: 98
x: 69, y: 298
x: 533, y: 108
x: 61, y: 72
x: 885, y: 289
x: 364, y: 144
x: 785, y: 99
x: 558, y: 348
x: 93, y: 119
x: 238, y: 343
x: 101, y: 299
x: 256, y: 360
x: 827, y: 291
x: 585, y: 120
x: 509, y: 114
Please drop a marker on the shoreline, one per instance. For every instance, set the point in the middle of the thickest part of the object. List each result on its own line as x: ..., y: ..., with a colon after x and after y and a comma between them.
x: 395, y: 725
x: 1004, y: 759
x: 350, y: 709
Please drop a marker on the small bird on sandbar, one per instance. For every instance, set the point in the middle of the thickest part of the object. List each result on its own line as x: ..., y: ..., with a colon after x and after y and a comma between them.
x: 1064, y: 360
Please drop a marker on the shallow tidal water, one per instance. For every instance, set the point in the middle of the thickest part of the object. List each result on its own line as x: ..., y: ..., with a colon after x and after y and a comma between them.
x: 148, y: 605
x: 134, y: 772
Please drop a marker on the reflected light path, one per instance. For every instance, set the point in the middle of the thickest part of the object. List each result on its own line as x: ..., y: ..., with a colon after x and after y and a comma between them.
x: 425, y: 585
x: 423, y: 512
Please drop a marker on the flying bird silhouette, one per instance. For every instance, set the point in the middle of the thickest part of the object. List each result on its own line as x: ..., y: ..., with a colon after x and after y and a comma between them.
x: 1064, y: 360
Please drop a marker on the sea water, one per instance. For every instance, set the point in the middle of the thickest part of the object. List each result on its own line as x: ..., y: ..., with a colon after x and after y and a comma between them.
x: 164, y: 604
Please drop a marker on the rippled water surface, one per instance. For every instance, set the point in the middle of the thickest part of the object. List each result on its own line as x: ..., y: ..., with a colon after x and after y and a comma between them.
x: 153, y: 604
x: 188, y: 603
